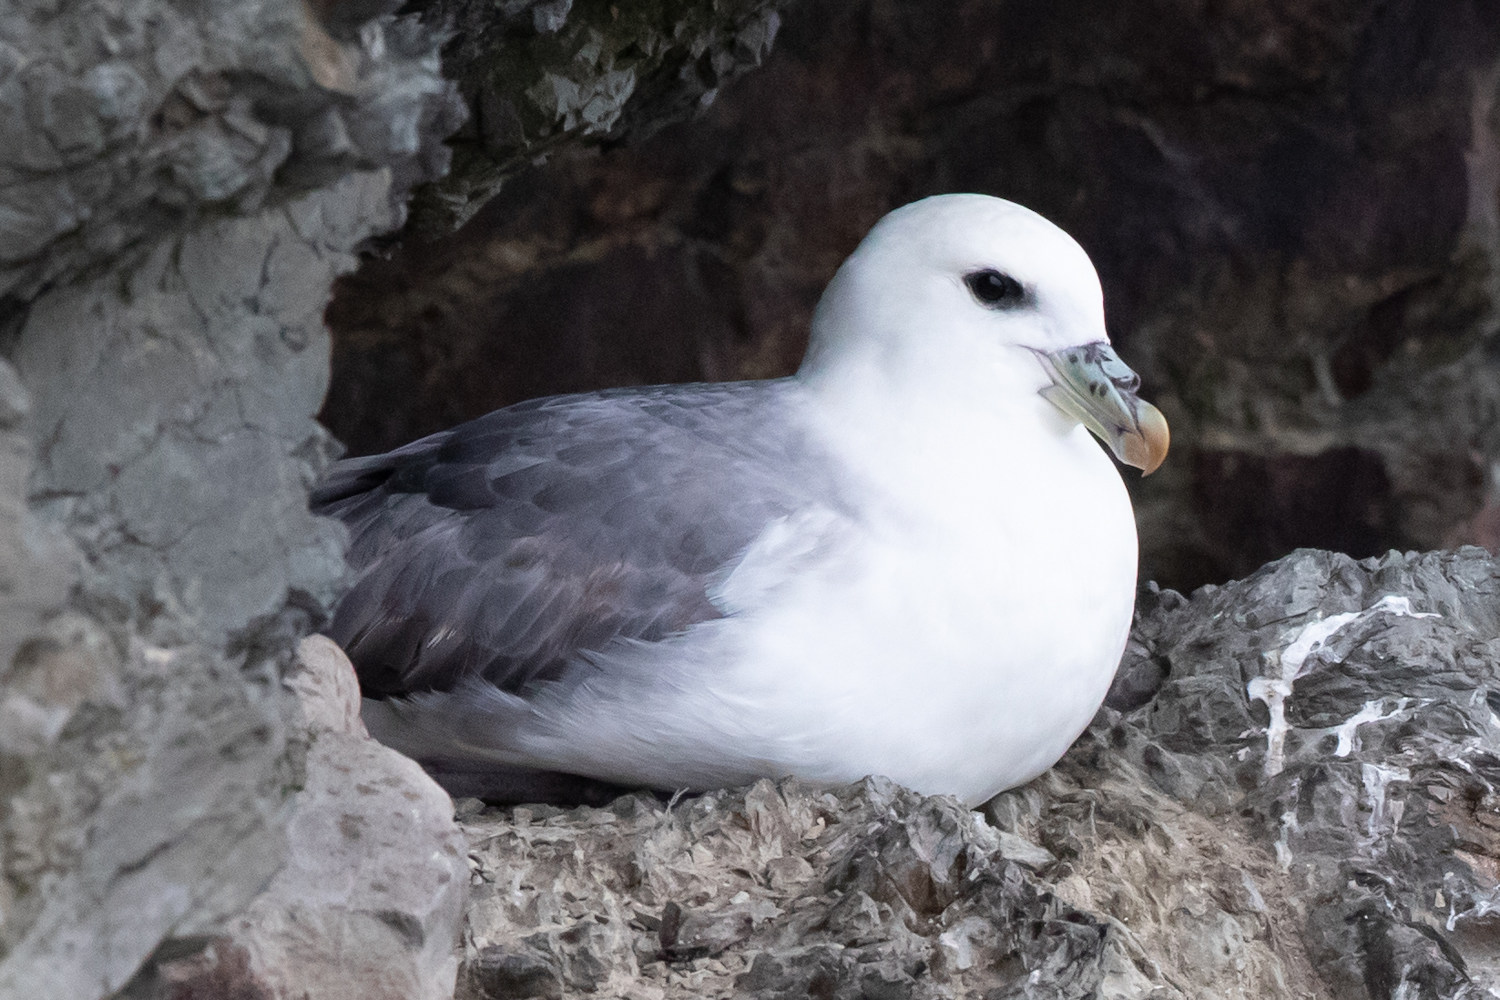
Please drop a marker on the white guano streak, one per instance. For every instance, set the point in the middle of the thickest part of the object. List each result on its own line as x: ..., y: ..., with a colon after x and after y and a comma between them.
x: 1275, y: 689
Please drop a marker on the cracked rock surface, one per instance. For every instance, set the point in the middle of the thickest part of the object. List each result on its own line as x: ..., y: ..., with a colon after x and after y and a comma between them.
x: 120, y: 120
x: 370, y: 895
x: 179, y: 186
x: 1303, y: 803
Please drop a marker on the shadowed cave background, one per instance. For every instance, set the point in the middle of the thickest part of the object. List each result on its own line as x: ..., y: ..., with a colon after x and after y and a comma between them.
x: 1291, y: 207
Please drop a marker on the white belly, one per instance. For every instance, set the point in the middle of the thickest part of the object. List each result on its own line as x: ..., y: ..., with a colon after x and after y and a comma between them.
x: 961, y: 657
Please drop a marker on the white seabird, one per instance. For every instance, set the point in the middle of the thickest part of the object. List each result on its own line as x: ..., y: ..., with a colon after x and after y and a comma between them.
x: 907, y: 559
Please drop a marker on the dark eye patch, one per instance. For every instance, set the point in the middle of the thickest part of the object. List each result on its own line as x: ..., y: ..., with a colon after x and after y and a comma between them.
x: 996, y: 290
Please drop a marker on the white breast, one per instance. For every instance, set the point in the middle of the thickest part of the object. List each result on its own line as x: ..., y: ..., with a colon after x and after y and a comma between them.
x: 956, y: 637
x: 962, y: 645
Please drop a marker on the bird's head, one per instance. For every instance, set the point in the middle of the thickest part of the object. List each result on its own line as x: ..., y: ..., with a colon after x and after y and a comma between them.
x: 965, y: 291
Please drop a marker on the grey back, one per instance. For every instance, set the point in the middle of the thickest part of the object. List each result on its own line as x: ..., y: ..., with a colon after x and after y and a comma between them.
x: 503, y: 548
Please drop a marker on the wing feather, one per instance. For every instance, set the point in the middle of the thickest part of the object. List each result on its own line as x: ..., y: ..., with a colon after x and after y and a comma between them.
x: 504, y: 548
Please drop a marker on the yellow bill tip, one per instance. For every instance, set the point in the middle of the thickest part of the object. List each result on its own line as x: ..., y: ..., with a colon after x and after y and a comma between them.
x: 1147, y: 447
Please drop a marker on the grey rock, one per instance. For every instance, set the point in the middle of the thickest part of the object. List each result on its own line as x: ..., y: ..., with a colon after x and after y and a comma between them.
x: 549, y: 17
x: 166, y: 250
x: 369, y: 900
x: 15, y: 403
x: 160, y: 819
x: 1346, y: 759
x: 693, y: 934
x: 143, y: 117
x: 543, y: 75
x: 38, y: 562
x: 894, y: 894
x: 1191, y: 846
x: 497, y: 973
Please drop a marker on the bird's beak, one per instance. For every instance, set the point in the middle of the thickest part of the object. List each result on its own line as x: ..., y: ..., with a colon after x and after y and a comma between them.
x: 1092, y: 384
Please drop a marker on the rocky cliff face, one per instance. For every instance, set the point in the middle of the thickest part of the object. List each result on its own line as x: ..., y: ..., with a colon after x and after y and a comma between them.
x: 1296, y: 797
x: 178, y: 188
x: 1295, y: 208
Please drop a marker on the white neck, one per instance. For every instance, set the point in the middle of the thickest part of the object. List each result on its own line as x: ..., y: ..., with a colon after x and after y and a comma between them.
x: 899, y: 412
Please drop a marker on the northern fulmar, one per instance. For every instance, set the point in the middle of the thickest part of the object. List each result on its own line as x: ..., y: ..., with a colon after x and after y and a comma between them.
x: 907, y: 559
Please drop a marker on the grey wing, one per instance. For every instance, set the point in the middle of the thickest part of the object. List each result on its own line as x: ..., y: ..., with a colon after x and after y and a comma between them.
x: 503, y: 548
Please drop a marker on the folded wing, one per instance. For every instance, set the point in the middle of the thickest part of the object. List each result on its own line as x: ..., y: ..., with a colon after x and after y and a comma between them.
x: 505, y: 547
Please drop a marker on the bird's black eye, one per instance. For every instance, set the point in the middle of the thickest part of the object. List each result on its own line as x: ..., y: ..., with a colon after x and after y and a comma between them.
x: 996, y: 290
